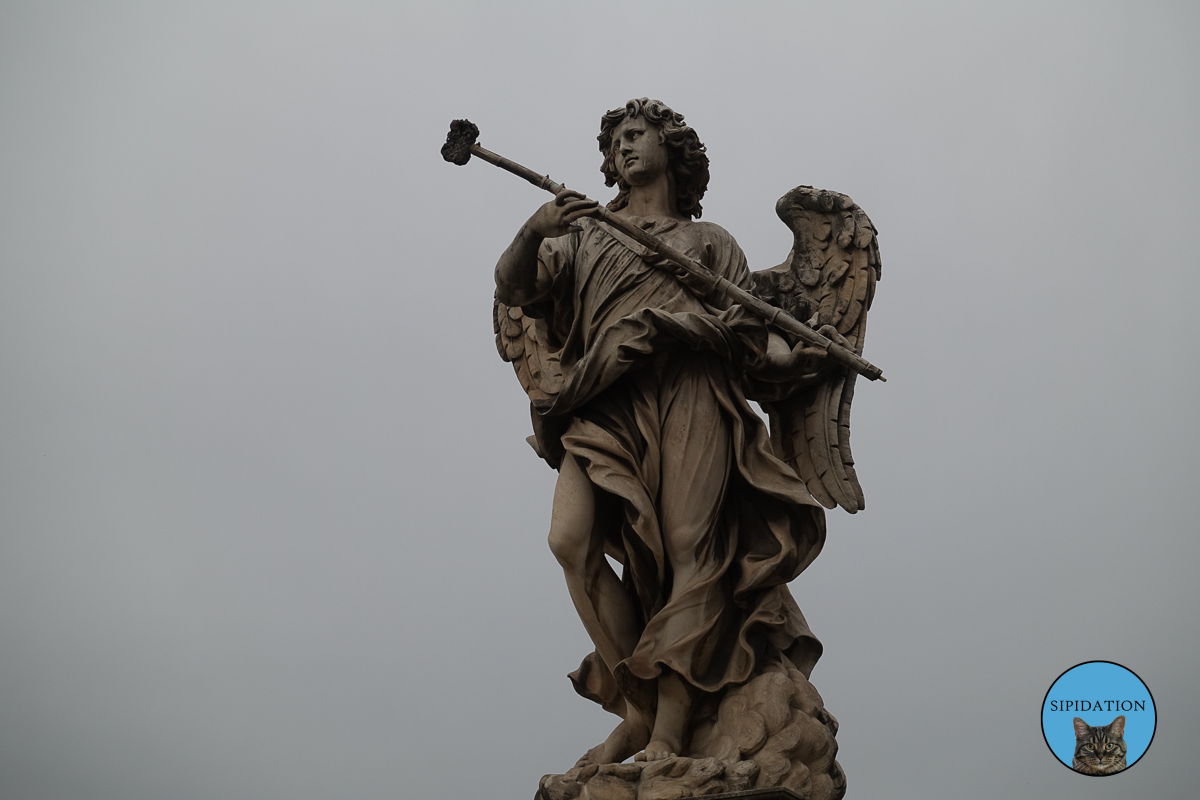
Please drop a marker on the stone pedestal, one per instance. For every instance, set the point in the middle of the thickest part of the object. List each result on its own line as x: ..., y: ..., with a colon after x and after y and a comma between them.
x: 770, y: 739
x: 778, y: 793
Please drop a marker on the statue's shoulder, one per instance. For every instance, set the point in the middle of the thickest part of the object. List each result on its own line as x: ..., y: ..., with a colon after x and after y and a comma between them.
x: 711, y: 232
x: 709, y: 228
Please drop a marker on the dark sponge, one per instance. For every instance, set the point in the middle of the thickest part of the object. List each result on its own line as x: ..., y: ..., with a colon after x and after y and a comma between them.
x: 462, y: 135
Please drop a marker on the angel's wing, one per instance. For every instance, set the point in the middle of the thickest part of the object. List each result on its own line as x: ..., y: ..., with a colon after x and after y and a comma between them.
x: 522, y: 340
x: 828, y: 279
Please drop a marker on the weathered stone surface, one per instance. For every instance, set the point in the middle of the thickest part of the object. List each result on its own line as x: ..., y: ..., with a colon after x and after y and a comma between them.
x: 641, y: 336
x: 756, y: 794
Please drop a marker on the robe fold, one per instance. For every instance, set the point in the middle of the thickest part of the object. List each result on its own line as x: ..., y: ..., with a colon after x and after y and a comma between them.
x: 711, y: 525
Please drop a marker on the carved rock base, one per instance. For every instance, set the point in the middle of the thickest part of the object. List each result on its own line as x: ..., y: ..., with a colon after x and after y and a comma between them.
x: 771, y: 733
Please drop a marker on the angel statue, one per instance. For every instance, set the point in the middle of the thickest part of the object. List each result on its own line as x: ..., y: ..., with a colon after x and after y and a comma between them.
x: 640, y: 379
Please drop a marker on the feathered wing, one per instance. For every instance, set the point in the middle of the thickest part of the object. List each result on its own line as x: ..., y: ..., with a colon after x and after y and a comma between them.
x: 828, y: 279
x: 522, y: 340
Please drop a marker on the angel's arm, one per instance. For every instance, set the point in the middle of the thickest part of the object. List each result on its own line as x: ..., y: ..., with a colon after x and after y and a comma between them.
x: 520, y: 278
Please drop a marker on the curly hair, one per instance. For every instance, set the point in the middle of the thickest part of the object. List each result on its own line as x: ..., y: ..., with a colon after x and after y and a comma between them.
x: 686, y: 159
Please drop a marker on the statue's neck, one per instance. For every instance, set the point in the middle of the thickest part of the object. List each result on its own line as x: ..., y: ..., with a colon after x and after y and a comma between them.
x: 654, y: 200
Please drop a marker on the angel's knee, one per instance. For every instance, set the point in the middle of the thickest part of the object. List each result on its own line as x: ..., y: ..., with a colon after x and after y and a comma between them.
x: 568, y: 547
x: 573, y: 518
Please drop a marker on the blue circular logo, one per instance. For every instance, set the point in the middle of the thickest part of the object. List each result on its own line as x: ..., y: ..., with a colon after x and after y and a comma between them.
x: 1098, y: 718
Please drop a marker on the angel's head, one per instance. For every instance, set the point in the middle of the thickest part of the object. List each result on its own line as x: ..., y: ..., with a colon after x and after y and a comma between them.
x: 687, y: 164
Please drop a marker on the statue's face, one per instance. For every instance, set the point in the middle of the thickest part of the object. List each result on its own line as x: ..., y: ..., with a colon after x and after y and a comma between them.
x: 639, y: 151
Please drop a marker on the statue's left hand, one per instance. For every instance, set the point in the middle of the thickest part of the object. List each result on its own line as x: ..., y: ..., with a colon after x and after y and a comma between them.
x: 781, y: 362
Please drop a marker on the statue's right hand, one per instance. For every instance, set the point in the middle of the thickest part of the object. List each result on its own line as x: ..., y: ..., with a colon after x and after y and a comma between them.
x: 554, y: 218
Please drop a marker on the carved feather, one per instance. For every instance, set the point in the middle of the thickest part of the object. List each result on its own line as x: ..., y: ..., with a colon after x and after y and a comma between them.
x: 844, y: 442
x: 522, y: 341
x: 797, y: 452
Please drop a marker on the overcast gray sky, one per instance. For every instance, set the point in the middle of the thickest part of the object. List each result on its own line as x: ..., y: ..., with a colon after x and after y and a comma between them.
x: 268, y: 525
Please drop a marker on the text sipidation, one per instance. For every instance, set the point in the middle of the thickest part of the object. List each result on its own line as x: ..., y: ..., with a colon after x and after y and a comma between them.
x: 1097, y: 705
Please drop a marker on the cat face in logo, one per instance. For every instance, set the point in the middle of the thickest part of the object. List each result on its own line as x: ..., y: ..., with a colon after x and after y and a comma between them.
x: 1099, y: 750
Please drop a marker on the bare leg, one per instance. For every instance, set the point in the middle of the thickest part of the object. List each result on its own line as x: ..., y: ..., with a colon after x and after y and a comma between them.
x: 603, y: 603
x: 577, y: 541
x: 674, y: 705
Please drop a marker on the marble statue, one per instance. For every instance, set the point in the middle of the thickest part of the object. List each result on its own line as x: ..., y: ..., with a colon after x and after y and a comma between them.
x: 638, y: 333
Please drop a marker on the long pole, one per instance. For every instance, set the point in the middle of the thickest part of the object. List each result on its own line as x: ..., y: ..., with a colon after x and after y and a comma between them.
x: 713, y: 282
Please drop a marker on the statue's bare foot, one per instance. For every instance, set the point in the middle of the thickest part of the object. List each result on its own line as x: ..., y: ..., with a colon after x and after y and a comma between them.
x: 657, y: 750
x: 670, y: 719
x: 626, y: 739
